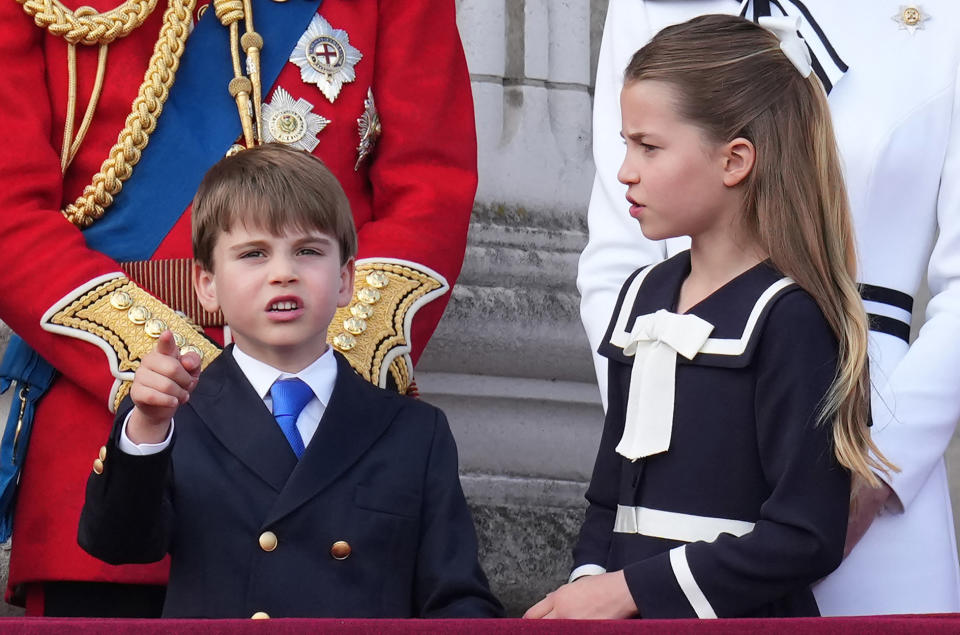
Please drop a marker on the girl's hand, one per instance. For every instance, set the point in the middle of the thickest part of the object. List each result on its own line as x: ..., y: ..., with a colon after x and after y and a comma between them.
x: 591, y: 597
x: 865, y: 503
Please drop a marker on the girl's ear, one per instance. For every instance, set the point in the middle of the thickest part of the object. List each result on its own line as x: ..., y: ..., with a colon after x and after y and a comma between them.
x: 739, y: 156
x: 205, y: 287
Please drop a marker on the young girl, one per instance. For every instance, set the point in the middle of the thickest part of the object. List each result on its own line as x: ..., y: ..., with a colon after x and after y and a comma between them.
x: 738, y: 385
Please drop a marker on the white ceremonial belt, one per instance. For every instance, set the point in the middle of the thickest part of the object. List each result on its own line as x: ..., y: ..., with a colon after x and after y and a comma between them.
x: 676, y: 526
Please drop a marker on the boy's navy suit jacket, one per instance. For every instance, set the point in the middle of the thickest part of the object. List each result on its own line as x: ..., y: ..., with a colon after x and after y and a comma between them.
x: 380, y: 474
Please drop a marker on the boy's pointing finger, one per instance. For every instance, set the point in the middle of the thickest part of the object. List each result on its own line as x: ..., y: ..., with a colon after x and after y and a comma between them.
x: 166, y: 345
x: 191, y: 362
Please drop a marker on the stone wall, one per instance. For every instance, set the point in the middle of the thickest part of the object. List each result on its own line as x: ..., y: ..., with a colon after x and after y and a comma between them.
x: 510, y: 363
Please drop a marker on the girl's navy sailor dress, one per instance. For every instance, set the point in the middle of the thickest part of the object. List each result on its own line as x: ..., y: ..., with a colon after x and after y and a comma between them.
x: 747, y: 506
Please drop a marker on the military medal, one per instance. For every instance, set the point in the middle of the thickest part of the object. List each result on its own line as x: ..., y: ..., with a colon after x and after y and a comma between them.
x: 910, y: 17
x: 368, y: 126
x: 292, y: 122
x: 325, y: 57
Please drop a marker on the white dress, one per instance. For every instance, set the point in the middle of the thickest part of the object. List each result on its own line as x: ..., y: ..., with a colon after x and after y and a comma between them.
x: 897, y: 118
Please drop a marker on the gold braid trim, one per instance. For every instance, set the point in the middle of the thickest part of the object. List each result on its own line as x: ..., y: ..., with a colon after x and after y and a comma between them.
x: 85, y: 25
x: 244, y: 90
x: 374, y: 330
x: 228, y: 11
x: 125, y: 321
x: 401, y: 375
x: 122, y: 392
x: 99, y: 313
x: 142, y: 119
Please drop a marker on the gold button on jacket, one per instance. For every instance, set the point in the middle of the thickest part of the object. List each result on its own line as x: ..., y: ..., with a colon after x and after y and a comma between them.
x: 340, y: 550
x: 268, y: 541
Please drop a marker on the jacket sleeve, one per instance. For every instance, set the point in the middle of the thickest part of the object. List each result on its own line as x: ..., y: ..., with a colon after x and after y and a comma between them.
x: 42, y: 255
x: 127, y: 515
x: 46, y: 263
x: 593, y: 544
x: 616, y: 246
x: 449, y: 582
x: 799, y: 535
x: 596, y: 533
x: 919, y: 403
x: 424, y: 172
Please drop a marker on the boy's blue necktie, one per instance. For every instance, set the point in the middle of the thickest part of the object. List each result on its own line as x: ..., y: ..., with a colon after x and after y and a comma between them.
x: 289, y: 398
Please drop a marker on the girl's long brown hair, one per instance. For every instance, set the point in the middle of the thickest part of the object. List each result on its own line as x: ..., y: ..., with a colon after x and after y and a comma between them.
x: 732, y: 80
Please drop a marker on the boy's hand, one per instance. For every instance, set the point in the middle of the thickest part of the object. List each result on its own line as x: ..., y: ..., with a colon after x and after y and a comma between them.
x: 591, y: 597
x: 163, y: 382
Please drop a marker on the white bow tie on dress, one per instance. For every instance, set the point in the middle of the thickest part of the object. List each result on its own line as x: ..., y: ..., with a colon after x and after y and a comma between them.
x: 654, y: 343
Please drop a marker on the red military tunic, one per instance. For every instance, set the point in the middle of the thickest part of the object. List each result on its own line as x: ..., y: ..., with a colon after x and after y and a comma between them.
x: 411, y: 200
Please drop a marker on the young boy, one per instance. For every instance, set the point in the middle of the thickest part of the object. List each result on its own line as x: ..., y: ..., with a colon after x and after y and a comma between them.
x: 281, y: 483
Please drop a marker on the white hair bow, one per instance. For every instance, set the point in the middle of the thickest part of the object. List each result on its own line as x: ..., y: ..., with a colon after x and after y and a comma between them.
x: 787, y: 30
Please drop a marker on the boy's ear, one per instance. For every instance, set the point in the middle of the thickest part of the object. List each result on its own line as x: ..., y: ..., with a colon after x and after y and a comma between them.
x: 345, y: 294
x: 739, y: 156
x: 205, y: 287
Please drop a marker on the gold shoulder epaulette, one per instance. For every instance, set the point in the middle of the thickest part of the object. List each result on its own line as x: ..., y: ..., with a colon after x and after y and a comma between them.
x: 124, y: 321
x: 373, y: 332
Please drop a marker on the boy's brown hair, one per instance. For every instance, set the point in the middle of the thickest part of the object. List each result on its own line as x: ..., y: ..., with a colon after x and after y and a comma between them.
x: 272, y: 187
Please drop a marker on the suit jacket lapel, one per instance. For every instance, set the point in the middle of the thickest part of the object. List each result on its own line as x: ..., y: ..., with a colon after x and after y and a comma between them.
x: 236, y: 415
x: 357, y: 415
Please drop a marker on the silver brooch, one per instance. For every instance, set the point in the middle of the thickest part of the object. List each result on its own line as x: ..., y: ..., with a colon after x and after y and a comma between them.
x: 292, y: 122
x: 910, y: 17
x: 325, y: 57
x: 368, y: 125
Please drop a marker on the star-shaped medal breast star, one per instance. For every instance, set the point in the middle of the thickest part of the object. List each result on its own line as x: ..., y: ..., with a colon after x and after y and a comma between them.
x: 325, y: 57
x: 910, y: 17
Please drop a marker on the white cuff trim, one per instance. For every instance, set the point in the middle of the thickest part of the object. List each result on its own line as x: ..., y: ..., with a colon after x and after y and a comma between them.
x: 585, y: 570
x: 141, y: 449
x: 689, y: 586
x: 111, y: 354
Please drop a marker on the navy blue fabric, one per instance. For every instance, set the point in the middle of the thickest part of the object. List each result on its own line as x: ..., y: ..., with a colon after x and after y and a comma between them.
x: 380, y: 474
x: 745, y: 446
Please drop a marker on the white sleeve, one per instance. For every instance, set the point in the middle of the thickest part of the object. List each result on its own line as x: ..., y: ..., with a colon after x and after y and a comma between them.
x: 616, y: 246
x: 924, y: 388
x: 585, y: 570
x: 141, y: 449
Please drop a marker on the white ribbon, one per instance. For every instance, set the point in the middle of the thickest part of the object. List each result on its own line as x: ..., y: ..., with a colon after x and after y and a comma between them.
x: 654, y: 343
x: 787, y: 30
